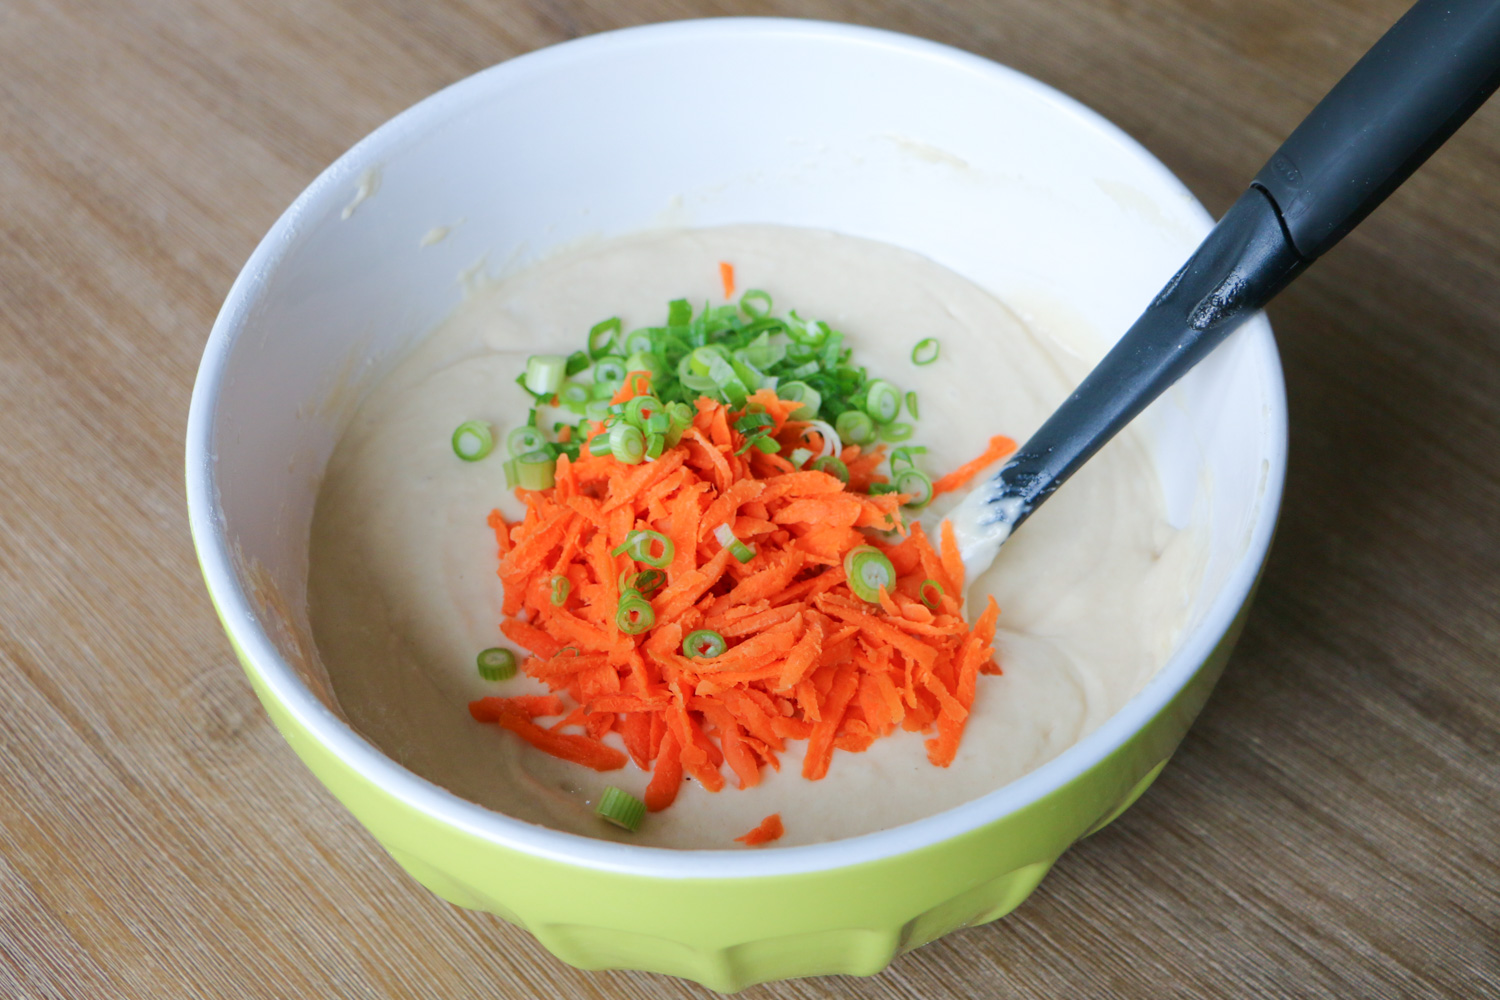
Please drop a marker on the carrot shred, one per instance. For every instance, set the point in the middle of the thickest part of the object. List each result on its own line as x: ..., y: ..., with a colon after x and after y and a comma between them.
x: 726, y: 275
x: 804, y: 659
x: 999, y: 447
x: 770, y: 829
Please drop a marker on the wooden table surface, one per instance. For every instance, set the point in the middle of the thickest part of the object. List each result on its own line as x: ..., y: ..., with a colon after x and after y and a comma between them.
x: 1331, y: 827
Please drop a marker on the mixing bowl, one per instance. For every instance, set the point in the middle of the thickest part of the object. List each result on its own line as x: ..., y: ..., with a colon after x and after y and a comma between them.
x: 878, y: 135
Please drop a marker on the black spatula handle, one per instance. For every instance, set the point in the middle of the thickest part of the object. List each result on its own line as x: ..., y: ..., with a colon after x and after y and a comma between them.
x: 1422, y: 80
x: 1409, y: 93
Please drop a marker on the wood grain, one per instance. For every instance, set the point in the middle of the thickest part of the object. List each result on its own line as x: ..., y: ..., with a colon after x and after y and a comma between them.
x: 1330, y: 827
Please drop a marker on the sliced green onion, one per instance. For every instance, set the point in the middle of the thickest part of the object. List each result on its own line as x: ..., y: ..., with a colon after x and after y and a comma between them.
x: 545, y: 373
x: 905, y: 455
x: 561, y: 586
x: 800, y: 392
x: 725, y: 534
x: 597, y: 410
x: 621, y: 808
x: 868, y: 570
x: 808, y: 332
x: 575, y: 397
x: 512, y: 474
x: 472, y: 440
x: 640, y: 409
x: 926, y: 351
x: 638, y: 547
x: 855, y: 426
x: 524, y: 439
x: 655, y: 445
x: 602, y: 336
x: 911, y: 405
x: 679, y: 312
x: 643, y: 582
x: 900, y: 430
x: 577, y: 362
x: 881, y: 489
x: 882, y: 401
x: 535, y: 470
x: 657, y: 423
x: 932, y: 600
x: 610, y: 370
x: 496, y: 664
x: 799, y: 457
x: 635, y: 615
x: 726, y: 379
x: 761, y: 353
x: 832, y: 466
x: 627, y: 443
x: 917, y: 483
x: 755, y: 303
x: 831, y: 443
x: 639, y: 342
x: 753, y: 422
x: 689, y: 376
x: 702, y: 357
x: 644, y: 361
x: 703, y: 644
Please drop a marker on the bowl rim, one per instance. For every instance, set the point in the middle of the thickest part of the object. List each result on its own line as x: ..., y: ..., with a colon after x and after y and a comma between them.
x: 282, y: 682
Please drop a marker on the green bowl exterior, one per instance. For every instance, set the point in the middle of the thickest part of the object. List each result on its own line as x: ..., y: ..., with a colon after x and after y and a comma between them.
x: 731, y: 933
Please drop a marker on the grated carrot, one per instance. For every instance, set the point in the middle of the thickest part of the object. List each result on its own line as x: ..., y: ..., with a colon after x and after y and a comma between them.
x: 999, y: 447
x: 770, y: 829
x: 804, y: 659
x: 726, y: 275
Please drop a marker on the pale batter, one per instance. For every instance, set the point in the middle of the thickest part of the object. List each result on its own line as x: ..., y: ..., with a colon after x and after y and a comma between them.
x: 403, y: 591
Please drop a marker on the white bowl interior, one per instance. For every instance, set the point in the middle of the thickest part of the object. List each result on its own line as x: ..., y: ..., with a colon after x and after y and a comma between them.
x: 702, y: 123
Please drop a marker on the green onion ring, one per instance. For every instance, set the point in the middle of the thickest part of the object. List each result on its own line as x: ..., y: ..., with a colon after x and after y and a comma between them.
x: 800, y: 392
x: 755, y: 303
x: 645, y: 361
x: 882, y: 401
x: 869, y: 570
x: 703, y: 644
x: 635, y: 615
x: 524, y: 439
x: 610, y: 370
x: 496, y: 664
x: 917, y: 483
x: 545, y: 373
x: 561, y: 585
x: 640, y: 409
x: 536, y: 470
x: 472, y: 440
x: 638, y: 547
x: 602, y: 336
x: 933, y: 601
x: 627, y: 443
x: 621, y: 808
x: 904, y: 456
x: 832, y: 466
x: 639, y: 342
x: 926, y: 351
x: 855, y: 426
x: 899, y: 430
